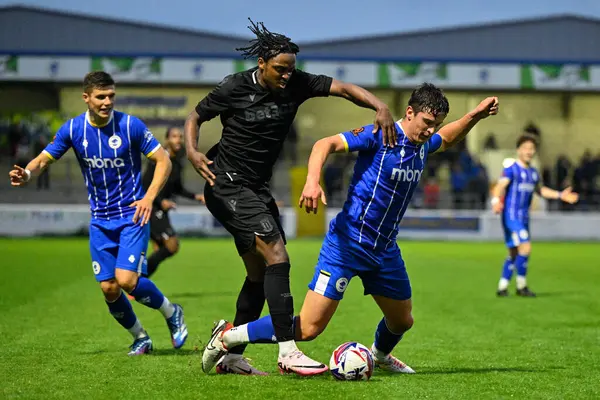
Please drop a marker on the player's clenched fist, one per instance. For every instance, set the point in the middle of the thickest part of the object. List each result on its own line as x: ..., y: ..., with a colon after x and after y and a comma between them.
x: 487, y: 107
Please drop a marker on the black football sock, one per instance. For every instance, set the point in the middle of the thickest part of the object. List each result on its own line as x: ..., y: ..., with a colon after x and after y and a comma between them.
x: 156, y: 258
x: 250, y: 303
x: 280, y: 300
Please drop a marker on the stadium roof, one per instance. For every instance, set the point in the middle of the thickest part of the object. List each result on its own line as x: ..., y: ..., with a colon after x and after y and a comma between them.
x: 553, y: 39
x: 39, y: 30
x: 559, y: 38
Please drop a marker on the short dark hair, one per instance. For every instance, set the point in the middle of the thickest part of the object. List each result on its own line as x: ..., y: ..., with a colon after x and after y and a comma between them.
x: 429, y: 98
x: 526, y: 138
x: 97, y: 80
x: 267, y: 44
x: 169, y: 129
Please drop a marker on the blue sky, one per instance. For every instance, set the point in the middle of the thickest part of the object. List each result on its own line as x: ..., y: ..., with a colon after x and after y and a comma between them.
x: 308, y: 20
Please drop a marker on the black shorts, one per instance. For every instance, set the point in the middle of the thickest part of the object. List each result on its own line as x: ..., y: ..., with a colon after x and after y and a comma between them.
x: 246, y: 211
x: 160, y: 226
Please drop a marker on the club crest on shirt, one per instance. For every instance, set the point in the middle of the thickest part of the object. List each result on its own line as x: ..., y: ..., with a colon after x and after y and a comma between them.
x: 148, y: 135
x: 422, y: 152
x: 356, y: 131
x: 114, y: 142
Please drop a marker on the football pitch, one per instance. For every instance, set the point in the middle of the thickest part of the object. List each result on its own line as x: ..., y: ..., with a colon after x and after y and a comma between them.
x: 57, y: 339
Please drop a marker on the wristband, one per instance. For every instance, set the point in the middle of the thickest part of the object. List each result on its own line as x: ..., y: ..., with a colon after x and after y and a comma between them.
x: 28, y: 173
x: 495, y: 200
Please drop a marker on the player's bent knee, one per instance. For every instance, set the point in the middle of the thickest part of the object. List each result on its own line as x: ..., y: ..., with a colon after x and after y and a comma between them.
x: 127, y: 280
x: 172, y: 244
x: 401, y: 324
x: 524, y: 249
x: 110, y: 289
x: 272, y: 250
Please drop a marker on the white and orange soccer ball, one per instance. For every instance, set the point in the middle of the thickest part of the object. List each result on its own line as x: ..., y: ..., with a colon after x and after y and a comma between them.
x: 351, y: 361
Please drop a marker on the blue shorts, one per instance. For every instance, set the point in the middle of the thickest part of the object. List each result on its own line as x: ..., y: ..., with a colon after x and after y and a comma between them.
x: 515, y: 233
x: 341, y: 259
x: 118, y: 244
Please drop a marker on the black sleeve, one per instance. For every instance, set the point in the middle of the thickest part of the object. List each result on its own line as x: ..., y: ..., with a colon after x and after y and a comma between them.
x: 310, y: 85
x: 181, y: 191
x: 216, y: 101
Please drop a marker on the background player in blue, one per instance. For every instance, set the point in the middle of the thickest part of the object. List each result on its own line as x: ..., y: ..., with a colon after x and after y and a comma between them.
x: 519, y: 181
x: 362, y: 238
x: 108, y: 144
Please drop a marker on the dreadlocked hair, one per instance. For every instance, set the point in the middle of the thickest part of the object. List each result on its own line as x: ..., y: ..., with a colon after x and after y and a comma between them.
x: 267, y: 44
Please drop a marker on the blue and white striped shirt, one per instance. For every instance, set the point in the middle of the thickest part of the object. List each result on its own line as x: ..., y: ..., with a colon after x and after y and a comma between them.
x: 382, y: 186
x: 109, y: 157
x: 519, y: 192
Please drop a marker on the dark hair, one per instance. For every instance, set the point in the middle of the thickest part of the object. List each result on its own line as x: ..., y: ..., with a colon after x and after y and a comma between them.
x: 526, y: 138
x: 97, y: 80
x: 267, y: 44
x: 429, y: 98
x: 169, y: 129
x: 532, y: 129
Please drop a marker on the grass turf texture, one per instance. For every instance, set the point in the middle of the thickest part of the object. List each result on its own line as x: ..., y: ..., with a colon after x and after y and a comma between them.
x: 57, y: 339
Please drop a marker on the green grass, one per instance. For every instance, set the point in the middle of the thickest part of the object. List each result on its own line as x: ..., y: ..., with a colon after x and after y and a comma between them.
x: 57, y: 339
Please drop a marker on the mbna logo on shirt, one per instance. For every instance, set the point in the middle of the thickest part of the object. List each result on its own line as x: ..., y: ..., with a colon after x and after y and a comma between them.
x: 96, y: 162
x: 406, y: 175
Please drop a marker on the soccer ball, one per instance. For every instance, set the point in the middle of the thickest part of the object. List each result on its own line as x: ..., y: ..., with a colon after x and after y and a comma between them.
x: 351, y: 361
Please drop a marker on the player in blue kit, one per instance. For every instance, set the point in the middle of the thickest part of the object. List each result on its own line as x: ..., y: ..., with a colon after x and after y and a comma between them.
x: 362, y: 238
x: 107, y: 144
x: 516, y: 186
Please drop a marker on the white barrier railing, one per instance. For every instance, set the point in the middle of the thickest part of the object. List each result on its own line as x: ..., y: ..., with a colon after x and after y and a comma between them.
x: 48, y: 219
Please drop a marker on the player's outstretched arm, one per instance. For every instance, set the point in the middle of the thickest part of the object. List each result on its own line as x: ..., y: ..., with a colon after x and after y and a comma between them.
x: 20, y: 176
x: 161, y: 174
x: 567, y: 195
x: 313, y: 192
x: 363, y: 98
x: 456, y: 131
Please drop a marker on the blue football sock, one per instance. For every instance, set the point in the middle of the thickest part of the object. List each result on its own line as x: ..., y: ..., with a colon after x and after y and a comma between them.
x: 508, y: 268
x: 386, y: 340
x: 262, y: 331
x: 521, y: 265
x: 122, y: 311
x: 148, y: 294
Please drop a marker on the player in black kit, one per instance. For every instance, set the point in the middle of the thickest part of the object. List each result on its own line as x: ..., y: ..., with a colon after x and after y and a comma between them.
x: 163, y: 236
x: 257, y: 108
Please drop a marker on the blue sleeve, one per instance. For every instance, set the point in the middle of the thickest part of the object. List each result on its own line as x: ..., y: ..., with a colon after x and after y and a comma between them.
x: 435, y: 142
x: 61, y: 142
x: 142, y: 138
x: 362, y: 138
